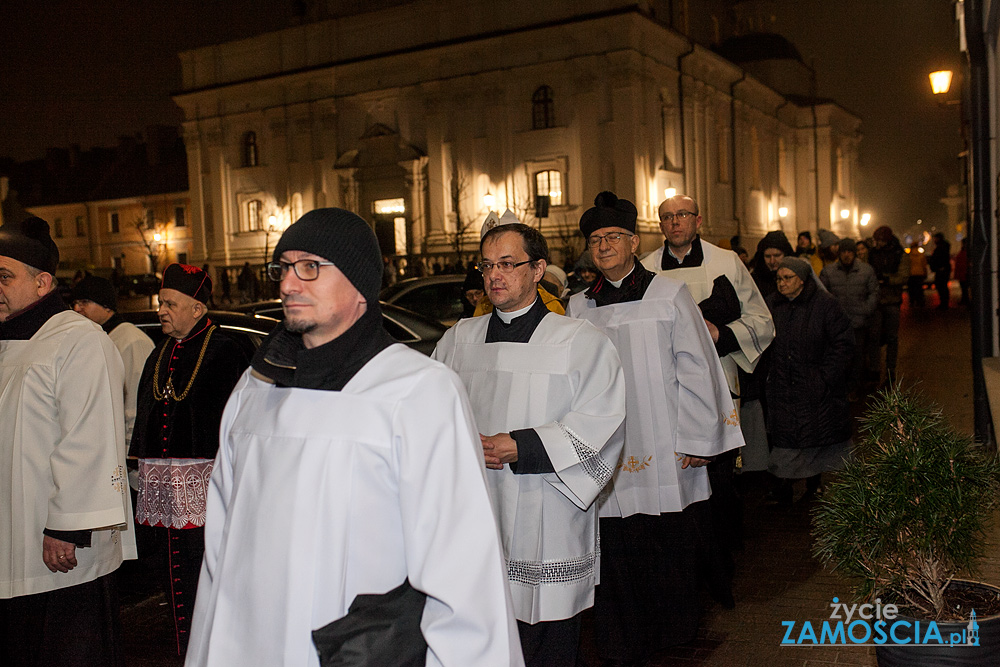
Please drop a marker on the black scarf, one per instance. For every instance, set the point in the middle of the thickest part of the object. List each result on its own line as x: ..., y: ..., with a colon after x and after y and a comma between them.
x: 633, y: 287
x: 26, y: 324
x: 112, y: 322
x: 693, y: 258
x: 520, y: 328
x: 283, y: 358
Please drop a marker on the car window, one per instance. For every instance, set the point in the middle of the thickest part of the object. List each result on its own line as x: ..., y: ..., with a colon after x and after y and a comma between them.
x: 249, y: 341
x: 440, y: 301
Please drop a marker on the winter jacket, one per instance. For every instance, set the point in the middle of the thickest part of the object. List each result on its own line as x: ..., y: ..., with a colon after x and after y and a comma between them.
x: 890, y: 269
x: 855, y: 287
x: 807, y: 382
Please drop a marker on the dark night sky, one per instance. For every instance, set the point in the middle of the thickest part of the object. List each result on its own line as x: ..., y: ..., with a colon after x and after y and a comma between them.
x: 87, y: 72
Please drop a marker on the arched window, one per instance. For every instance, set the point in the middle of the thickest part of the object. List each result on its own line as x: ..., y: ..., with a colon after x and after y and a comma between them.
x: 250, y: 157
x: 549, y: 183
x: 542, y: 113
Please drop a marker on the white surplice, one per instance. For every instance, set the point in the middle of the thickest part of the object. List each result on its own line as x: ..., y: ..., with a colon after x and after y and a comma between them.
x: 319, y: 496
x: 678, y: 401
x: 566, y: 383
x: 754, y: 330
x: 134, y: 346
x: 62, y: 467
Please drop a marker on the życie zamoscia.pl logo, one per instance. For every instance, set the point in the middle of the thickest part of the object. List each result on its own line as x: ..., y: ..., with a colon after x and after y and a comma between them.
x: 874, y: 624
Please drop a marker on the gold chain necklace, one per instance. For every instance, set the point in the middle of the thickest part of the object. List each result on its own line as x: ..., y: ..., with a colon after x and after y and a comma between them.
x: 168, y: 389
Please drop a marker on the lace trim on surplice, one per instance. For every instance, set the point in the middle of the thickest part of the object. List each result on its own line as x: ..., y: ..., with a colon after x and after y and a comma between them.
x: 590, y: 459
x: 172, y: 492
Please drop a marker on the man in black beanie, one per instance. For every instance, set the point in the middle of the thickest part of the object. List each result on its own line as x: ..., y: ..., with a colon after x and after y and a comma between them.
x: 183, y: 390
x: 348, y: 465
x: 67, y: 513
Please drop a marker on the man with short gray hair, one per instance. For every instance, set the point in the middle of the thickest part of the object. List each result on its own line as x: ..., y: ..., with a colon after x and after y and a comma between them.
x: 65, y: 510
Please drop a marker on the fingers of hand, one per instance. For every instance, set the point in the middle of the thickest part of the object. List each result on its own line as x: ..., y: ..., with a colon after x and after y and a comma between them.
x: 59, y: 562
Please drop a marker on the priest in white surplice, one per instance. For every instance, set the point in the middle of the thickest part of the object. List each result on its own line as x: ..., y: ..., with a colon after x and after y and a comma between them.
x: 679, y: 415
x: 741, y: 328
x: 548, y: 395
x: 348, y: 515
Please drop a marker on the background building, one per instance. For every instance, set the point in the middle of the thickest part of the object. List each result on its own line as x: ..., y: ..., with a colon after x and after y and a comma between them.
x: 421, y: 116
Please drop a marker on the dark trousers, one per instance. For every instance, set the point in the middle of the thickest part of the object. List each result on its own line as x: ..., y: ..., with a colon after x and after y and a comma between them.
x: 78, y: 626
x: 550, y: 643
x: 941, y: 285
x: 884, y: 331
x: 175, y: 556
x: 915, y: 287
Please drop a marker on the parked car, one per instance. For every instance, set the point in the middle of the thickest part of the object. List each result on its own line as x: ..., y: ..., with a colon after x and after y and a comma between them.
x: 440, y: 298
x: 409, y: 328
x: 247, y: 330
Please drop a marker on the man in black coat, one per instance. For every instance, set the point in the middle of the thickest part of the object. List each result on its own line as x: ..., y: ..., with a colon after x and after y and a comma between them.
x: 183, y: 390
x: 940, y: 264
x: 808, y: 418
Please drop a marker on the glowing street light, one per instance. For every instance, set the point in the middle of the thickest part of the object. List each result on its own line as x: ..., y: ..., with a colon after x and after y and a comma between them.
x: 865, y: 218
x: 845, y: 213
x: 940, y: 81
x: 489, y: 200
x: 783, y: 212
x: 670, y: 192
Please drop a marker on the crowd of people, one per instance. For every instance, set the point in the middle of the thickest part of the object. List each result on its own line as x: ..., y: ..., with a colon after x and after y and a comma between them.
x: 575, y: 442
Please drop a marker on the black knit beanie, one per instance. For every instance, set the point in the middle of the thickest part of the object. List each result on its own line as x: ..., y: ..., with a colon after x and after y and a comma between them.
x: 608, y: 211
x: 28, y: 241
x: 96, y: 289
x: 343, y: 238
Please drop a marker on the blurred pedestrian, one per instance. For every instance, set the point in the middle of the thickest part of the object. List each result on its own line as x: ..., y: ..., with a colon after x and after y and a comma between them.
x: 656, y: 509
x: 962, y: 271
x: 829, y: 250
x: 918, y: 275
x: 549, y: 451
x: 184, y: 387
x: 66, y: 519
x: 247, y: 284
x: 95, y: 298
x: 862, y: 250
x: 348, y: 513
x: 808, y: 416
x: 584, y: 273
x: 473, y: 290
x: 771, y: 249
x: 892, y: 274
x: 855, y: 286
x: 940, y: 263
x: 808, y: 251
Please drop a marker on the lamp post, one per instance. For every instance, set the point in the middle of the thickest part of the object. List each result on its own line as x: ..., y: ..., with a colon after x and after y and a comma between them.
x: 979, y: 270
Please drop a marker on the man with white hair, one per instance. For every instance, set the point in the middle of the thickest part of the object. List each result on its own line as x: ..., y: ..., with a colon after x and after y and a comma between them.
x: 65, y: 510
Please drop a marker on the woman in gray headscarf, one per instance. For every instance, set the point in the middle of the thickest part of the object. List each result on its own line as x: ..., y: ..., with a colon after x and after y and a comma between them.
x: 808, y: 418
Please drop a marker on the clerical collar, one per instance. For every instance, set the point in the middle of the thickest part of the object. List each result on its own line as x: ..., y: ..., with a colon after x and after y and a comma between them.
x: 694, y: 257
x: 509, y: 317
x: 284, y: 358
x: 520, y: 328
x: 28, y: 321
x: 630, y: 288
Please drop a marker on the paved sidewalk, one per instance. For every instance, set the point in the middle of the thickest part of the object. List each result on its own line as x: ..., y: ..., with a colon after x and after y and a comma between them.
x: 777, y: 579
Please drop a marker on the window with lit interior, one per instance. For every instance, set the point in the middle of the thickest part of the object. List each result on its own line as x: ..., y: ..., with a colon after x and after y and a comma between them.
x: 549, y: 183
x: 253, y: 220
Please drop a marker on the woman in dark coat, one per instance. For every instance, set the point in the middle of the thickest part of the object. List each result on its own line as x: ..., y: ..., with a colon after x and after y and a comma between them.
x: 771, y: 249
x: 808, y: 418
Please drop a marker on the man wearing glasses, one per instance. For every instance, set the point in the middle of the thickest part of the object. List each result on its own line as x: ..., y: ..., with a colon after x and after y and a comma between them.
x: 741, y: 328
x: 679, y: 414
x: 548, y: 395
x: 349, y: 485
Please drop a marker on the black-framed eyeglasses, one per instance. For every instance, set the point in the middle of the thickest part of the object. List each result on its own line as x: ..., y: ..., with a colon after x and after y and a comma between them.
x: 305, y: 269
x: 613, y: 238
x: 503, y: 266
x: 680, y: 215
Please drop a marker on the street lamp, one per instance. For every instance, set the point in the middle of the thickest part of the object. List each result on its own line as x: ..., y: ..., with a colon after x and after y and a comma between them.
x: 940, y: 81
x: 783, y: 212
x: 845, y: 213
x: 865, y: 219
x: 670, y: 192
x: 489, y: 200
